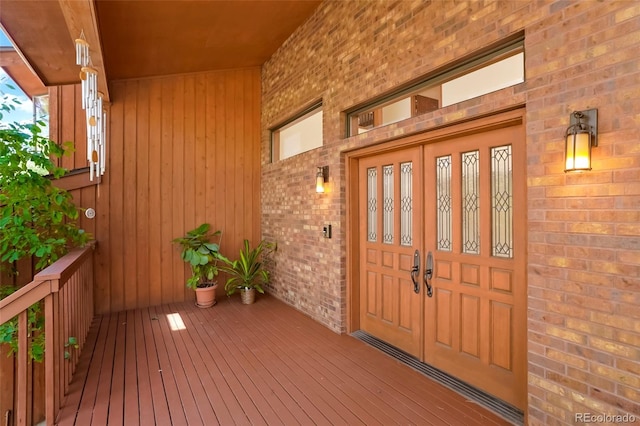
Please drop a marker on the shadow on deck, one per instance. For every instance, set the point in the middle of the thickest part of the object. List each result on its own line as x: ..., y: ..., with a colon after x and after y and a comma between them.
x: 261, y: 364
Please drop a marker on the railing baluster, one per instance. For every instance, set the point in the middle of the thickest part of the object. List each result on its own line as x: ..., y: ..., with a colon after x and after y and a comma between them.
x: 49, y: 367
x: 64, y: 334
x: 67, y: 290
x: 21, y: 376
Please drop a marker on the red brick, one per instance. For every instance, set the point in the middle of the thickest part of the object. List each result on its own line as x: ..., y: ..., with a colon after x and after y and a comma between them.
x: 582, y: 228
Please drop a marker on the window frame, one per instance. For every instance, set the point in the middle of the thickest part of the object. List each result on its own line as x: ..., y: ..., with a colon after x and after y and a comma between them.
x: 274, y: 136
x: 505, y: 48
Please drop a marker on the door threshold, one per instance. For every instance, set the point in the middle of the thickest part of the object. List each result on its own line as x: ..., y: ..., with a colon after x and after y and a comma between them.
x: 499, y: 407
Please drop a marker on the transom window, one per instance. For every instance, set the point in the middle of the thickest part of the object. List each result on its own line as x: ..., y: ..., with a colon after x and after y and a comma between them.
x: 299, y: 134
x: 496, y: 68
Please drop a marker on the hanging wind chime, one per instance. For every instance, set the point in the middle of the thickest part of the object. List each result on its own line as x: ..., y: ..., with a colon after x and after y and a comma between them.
x: 94, y: 109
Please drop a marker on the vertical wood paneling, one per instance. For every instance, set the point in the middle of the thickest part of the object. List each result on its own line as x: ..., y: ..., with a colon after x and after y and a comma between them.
x: 69, y: 126
x: 141, y: 165
x: 115, y: 186
x: 235, y: 117
x: 80, y: 127
x: 54, y: 106
x: 67, y: 123
x: 103, y: 256
x: 130, y: 162
x: 177, y: 184
x: 86, y: 198
x: 189, y: 161
x: 166, y: 180
x: 214, y: 168
x: 155, y: 199
x: 182, y: 150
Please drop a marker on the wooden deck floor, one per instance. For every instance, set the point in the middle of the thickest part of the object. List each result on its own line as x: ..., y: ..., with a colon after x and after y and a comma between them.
x: 264, y: 364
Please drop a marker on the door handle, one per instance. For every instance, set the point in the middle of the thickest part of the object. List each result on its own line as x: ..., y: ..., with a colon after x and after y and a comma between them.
x: 428, y: 274
x: 415, y: 271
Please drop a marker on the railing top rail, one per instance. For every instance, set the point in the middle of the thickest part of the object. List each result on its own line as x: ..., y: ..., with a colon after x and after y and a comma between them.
x: 26, y: 296
x: 44, y: 283
x: 64, y: 267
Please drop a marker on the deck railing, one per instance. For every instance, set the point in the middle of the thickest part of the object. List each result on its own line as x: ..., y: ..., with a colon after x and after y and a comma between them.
x: 67, y: 290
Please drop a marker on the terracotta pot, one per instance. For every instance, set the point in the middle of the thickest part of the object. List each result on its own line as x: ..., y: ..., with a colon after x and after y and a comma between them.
x: 206, y: 296
x: 248, y: 295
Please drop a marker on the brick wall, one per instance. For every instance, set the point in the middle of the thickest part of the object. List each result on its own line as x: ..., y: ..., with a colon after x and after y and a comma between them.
x: 584, y: 250
x: 584, y: 229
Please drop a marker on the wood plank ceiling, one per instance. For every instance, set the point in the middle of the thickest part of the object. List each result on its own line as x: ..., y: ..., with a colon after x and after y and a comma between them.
x: 151, y: 38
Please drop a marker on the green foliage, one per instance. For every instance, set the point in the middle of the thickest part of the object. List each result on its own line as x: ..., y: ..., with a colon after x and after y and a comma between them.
x: 37, y: 219
x: 247, y: 271
x: 201, y: 254
x: 35, y: 323
x: 71, y: 343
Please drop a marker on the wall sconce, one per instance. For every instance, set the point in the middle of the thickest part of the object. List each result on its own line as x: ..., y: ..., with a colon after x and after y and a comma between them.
x: 581, y: 135
x: 322, y: 177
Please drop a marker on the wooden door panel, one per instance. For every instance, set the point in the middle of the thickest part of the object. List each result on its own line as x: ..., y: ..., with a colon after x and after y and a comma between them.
x: 470, y: 320
x: 392, y: 310
x: 501, y: 335
x: 443, y: 269
x: 372, y: 295
x: 389, y: 299
x: 501, y: 280
x: 474, y: 324
x: 470, y: 274
x: 444, y: 317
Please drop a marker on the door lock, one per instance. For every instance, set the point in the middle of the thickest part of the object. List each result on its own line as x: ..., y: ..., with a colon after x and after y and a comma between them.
x: 428, y: 274
x: 415, y: 271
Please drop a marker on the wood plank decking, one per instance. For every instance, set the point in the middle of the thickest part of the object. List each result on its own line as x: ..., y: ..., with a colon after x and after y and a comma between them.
x: 265, y: 364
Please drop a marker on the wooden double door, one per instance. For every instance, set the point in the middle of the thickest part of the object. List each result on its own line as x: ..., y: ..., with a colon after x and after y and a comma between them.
x: 441, y: 241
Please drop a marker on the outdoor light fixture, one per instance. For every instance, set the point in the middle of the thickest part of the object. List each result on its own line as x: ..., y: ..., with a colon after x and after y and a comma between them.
x: 95, y: 112
x: 322, y: 177
x: 581, y: 135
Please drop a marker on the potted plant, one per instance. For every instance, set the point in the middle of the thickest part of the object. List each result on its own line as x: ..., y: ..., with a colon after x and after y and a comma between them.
x: 202, y: 257
x: 247, y: 274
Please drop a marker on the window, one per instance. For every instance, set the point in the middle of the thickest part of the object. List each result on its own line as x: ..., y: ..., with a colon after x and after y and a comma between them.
x: 496, y: 68
x: 24, y: 107
x: 299, y: 134
x: 41, y: 113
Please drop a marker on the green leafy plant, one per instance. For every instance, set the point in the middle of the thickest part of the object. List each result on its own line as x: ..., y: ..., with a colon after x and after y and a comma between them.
x: 247, y: 271
x: 71, y: 343
x: 201, y: 254
x: 37, y: 219
x: 35, y: 324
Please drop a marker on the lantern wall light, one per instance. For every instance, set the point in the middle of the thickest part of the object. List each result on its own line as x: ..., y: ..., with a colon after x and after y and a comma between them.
x: 322, y: 177
x: 581, y: 135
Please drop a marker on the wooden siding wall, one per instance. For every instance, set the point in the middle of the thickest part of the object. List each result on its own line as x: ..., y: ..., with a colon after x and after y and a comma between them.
x: 68, y: 124
x: 182, y: 150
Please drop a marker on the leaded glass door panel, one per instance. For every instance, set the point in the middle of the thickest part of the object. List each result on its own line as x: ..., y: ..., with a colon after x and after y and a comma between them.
x: 475, y: 228
x: 390, y: 187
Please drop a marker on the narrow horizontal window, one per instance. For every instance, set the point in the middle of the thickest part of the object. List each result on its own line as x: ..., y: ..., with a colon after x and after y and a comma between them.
x: 504, y: 73
x: 501, y: 67
x: 300, y: 134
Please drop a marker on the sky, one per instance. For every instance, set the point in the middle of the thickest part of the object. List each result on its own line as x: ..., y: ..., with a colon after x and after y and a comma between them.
x: 24, y: 111
x: 4, y: 41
